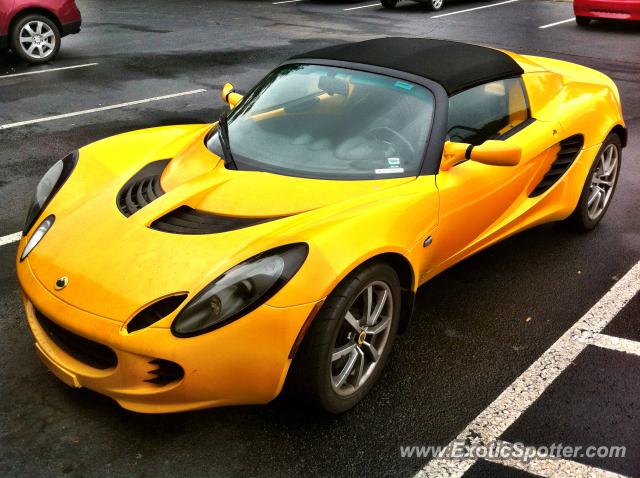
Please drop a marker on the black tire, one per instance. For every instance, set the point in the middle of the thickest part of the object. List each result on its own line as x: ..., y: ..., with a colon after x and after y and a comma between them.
x: 37, y: 56
x: 580, y: 219
x: 583, y: 21
x: 310, y: 377
x: 389, y: 3
x: 435, y: 5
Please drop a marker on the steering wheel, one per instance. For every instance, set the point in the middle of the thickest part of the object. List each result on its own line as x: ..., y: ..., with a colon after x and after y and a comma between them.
x: 388, y: 135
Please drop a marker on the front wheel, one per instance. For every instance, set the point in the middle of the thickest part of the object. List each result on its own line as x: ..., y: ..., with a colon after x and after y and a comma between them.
x: 435, y: 5
x: 389, y: 3
x: 599, y: 186
x: 35, y: 39
x: 349, y: 341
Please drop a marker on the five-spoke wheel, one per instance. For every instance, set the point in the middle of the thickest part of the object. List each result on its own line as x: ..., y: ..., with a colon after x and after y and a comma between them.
x: 599, y: 186
x: 362, y: 338
x: 347, y: 345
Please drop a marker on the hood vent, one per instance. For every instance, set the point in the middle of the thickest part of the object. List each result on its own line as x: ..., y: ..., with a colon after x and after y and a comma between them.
x: 186, y: 220
x: 142, y: 189
x: 569, y: 150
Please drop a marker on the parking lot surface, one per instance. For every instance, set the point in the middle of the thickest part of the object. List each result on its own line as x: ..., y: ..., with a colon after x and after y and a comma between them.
x: 478, y: 330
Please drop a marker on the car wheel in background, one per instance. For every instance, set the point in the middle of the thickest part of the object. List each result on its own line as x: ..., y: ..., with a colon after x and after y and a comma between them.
x: 435, y: 5
x: 583, y: 21
x: 349, y: 341
x: 35, y: 39
x: 389, y: 3
x: 599, y: 186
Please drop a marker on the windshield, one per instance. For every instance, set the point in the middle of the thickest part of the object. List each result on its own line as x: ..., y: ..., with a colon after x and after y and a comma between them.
x: 331, y: 123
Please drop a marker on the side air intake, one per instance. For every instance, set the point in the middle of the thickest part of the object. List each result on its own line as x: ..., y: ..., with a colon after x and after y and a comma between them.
x: 569, y: 149
x: 142, y: 189
x: 186, y: 220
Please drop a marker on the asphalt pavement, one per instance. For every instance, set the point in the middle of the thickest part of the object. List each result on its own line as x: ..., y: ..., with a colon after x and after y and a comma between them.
x: 477, y: 327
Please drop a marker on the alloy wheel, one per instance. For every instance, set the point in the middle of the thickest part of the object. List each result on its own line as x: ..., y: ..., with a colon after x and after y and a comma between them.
x: 361, y: 338
x: 603, y: 181
x: 37, y: 39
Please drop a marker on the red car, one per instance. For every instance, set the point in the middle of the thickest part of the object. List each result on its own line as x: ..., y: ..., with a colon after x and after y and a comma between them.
x: 585, y: 10
x: 33, y: 28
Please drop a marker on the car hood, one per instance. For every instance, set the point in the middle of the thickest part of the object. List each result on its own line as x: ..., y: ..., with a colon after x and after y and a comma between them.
x: 117, y: 265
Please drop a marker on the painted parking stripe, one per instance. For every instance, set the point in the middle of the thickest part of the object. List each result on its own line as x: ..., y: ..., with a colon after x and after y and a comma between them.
x: 49, y: 70
x: 286, y: 1
x: 15, y: 237
x: 475, y: 8
x: 103, y: 108
x: 557, y: 23
x: 493, y: 421
x: 613, y: 343
x: 557, y: 467
x: 363, y: 6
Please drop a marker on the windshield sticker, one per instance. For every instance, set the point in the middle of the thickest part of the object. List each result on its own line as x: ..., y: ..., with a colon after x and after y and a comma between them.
x: 389, y: 171
x: 404, y: 85
x: 393, y: 161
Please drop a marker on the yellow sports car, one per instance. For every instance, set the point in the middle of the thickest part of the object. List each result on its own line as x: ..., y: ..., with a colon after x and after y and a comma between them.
x: 184, y: 267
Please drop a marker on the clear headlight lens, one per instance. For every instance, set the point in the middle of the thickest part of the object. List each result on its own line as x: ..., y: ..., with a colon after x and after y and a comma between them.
x: 48, y: 186
x: 239, y: 290
x: 37, y: 236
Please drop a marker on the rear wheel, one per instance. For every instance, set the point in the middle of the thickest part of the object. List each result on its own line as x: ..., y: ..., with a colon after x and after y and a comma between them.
x: 348, y: 343
x: 35, y: 39
x: 583, y: 21
x: 389, y: 3
x: 435, y: 5
x: 599, y: 186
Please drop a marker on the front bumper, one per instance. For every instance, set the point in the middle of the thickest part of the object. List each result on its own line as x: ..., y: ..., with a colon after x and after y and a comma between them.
x: 616, y: 10
x: 244, y: 362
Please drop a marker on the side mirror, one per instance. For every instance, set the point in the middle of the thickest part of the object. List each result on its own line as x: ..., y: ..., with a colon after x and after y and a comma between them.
x: 491, y: 152
x: 229, y: 95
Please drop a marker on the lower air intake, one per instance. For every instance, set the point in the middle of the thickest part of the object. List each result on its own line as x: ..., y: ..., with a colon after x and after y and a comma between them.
x: 84, y: 350
x: 165, y: 372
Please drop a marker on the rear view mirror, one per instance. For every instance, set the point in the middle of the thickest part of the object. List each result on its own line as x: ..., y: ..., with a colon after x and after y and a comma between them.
x: 491, y: 152
x: 229, y: 95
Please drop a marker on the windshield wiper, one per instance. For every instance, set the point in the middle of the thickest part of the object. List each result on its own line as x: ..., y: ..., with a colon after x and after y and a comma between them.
x: 223, y: 136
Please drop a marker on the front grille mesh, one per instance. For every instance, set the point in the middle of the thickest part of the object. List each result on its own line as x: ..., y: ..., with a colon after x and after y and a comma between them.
x: 186, y: 220
x: 569, y: 150
x: 82, y: 349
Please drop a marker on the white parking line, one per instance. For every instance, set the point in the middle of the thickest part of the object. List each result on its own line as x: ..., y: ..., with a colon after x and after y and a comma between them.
x: 363, y: 6
x: 557, y: 23
x: 103, y: 108
x: 556, y: 467
x: 613, y: 343
x: 49, y: 70
x: 493, y: 421
x: 286, y: 1
x: 475, y: 8
x: 15, y: 237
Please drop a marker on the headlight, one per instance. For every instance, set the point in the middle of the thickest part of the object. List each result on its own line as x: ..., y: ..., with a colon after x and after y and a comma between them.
x: 239, y: 290
x: 48, y: 186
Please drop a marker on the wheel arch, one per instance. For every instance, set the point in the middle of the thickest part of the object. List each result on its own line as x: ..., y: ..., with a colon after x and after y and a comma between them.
x: 622, y: 133
x: 34, y: 11
x: 406, y: 275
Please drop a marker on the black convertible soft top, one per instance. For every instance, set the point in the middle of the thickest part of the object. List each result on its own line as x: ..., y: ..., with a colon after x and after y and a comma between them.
x: 454, y: 65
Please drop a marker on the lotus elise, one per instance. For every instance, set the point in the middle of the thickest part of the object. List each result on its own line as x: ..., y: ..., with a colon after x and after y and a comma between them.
x: 194, y: 266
